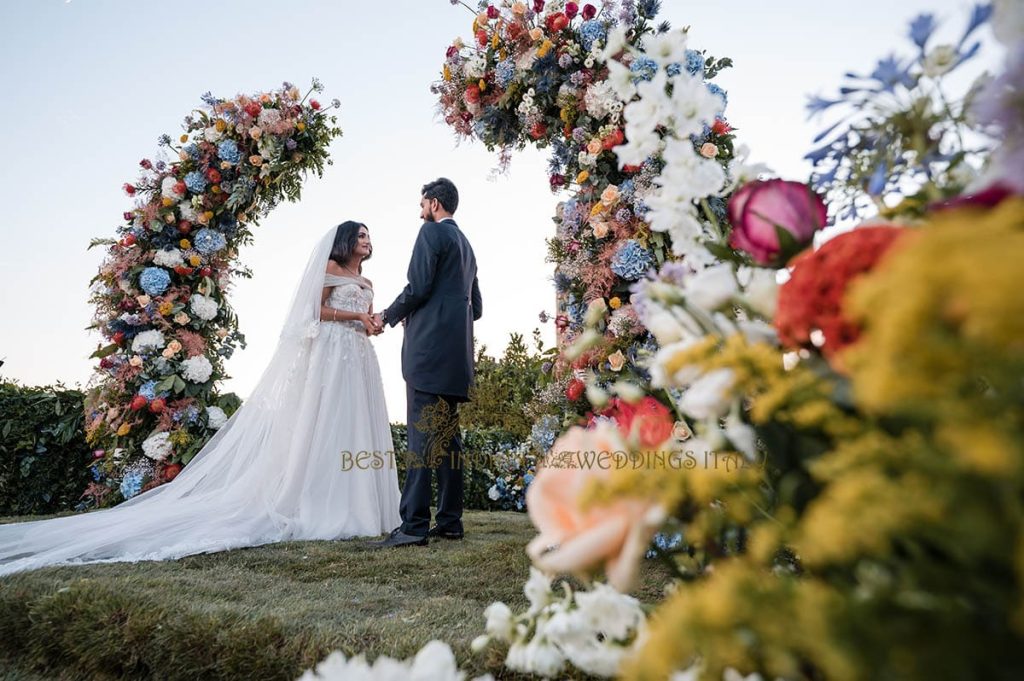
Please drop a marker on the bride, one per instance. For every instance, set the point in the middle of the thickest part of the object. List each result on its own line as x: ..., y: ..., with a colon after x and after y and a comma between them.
x: 273, y: 472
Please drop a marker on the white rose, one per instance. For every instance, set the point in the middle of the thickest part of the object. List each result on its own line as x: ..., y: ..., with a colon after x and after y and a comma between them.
x: 148, y: 340
x: 211, y: 134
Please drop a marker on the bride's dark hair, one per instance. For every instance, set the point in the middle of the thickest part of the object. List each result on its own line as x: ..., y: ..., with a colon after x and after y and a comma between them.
x: 345, y: 240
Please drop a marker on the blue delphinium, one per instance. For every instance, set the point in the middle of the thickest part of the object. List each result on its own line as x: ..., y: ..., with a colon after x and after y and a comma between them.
x: 131, y: 484
x: 644, y: 68
x: 562, y: 282
x: 505, y: 72
x: 208, y: 241
x: 632, y: 260
x: 590, y: 32
x: 195, y: 182
x: 228, y: 151
x: 154, y: 280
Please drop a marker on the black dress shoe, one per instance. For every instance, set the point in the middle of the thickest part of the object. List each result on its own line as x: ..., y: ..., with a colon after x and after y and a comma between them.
x: 399, y: 538
x: 436, y: 531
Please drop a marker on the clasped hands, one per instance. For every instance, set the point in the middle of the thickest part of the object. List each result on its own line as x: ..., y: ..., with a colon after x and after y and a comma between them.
x: 373, y: 324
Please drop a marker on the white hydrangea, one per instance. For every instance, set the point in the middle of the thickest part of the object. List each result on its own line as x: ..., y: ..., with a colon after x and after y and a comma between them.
x: 476, y: 66
x: 434, y: 661
x: 169, y: 258
x: 600, y: 100
x: 197, y: 369
x: 203, y: 307
x: 152, y: 339
x: 215, y: 417
x: 268, y: 118
x: 158, y: 446
x: 187, y: 212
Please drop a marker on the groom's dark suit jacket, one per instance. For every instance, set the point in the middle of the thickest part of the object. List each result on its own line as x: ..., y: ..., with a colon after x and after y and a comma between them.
x: 440, y: 302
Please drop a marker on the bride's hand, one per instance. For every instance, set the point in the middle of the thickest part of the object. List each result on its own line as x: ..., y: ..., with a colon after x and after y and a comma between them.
x: 368, y: 323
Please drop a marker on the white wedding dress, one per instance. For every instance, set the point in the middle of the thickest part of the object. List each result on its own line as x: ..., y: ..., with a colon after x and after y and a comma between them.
x: 274, y: 471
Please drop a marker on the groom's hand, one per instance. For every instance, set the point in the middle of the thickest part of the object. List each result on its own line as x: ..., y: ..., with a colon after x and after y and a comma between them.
x: 378, y: 322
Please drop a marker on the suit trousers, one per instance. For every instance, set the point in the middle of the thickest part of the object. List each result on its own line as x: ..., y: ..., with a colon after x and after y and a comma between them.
x: 435, y: 444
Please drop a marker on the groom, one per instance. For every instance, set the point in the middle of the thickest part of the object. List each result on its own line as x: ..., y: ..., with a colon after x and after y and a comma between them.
x: 438, y: 305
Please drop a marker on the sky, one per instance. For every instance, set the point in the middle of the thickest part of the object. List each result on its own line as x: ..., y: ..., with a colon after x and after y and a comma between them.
x: 89, y: 85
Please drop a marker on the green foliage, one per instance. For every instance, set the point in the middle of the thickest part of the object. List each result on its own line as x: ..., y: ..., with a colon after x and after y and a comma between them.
x: 43, y: 455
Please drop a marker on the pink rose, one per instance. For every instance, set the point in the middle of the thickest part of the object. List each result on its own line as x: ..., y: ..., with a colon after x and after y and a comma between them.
x: 760, y: 210
x: 615, y: 535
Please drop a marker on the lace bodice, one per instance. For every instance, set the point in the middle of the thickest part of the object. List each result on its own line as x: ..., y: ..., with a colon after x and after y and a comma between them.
x: 349, y: 294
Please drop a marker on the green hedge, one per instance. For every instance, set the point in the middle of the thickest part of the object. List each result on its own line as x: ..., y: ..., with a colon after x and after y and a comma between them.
x: 44, y: 459
x: 43, y: 455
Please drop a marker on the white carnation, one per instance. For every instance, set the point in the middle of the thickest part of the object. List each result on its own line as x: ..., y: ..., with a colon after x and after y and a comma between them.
x: 158, y: 446
x: 212, y: 134
x: 203, y: 307
x: 148, y: 340
x: 169, y: 258
x: 197, y: 369
x: 215, y: 417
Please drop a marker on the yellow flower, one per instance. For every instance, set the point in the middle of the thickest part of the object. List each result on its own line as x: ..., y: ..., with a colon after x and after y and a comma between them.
x: 446, y: 73
x: 220, y: 125
x: 183, y: 138
x: 494, y: 40
x: 215, y: 188
x: 544, y: 48
x: 582, y: 177
x: 165, y: 308
x: 300, y: 126
x: 596, y: 210
x: 184, y: 243
x: 615, y: 303
x: 167, y: 201
x: 195, y: 260
x: 124, y: 429
x: 482, y: 85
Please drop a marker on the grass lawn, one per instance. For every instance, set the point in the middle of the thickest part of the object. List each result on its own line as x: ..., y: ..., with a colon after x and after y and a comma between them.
x: 267, y: 612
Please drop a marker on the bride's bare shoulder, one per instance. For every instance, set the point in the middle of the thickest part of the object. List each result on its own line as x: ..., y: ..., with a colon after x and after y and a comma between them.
x: 334, y: 268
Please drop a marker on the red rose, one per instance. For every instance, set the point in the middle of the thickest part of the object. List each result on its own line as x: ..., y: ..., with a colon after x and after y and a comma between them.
x: 562, y: 322
x: 574, y: 390
x: 492, y: 12
x: 119, y: 337
x: 253, y: 109
x: 184, y: 226
x: 613, y: 140
x: 538, y: 130
x: 630, y: 168
x: 557, y: 180
x: 557, y: 22
x: 138, y: 402
x: 538, y: 6
x: 146, y: 163
x: 589, y: 12
x: 571, y: 9
x: 158, y: 405
x: 472, y: 94
x: 171, y: 471
x: 129, y: 189
x: 183, y: 271
x: 213, y: 175
x: 760, y: 209
x: 129, y: 239
x: 482, y: 37
x: 180, y: 187
x: 128, y: 216
x: 720, y: 127
x: 451, y: 51
x: 106, y: 363
x: 315, y: 105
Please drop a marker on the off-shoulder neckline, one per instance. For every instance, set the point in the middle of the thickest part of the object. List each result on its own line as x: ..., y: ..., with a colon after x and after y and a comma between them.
x: 360, y: 280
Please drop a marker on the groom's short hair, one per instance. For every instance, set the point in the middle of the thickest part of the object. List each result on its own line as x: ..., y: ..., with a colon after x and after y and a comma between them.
x: 444, y: 191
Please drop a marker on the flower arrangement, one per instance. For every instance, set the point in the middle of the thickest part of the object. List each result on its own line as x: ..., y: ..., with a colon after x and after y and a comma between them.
x: 161, y: 294
x: 833, y: 483
x: 590, y: 83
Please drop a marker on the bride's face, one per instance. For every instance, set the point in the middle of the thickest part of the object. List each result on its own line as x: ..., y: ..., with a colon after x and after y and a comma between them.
x: 363, y: 246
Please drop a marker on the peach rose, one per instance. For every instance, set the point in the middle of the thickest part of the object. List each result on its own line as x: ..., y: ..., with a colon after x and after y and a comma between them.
x: 610, y: 195
x: 617, y: 360
x: 571, y: 540
x: 536, y: 34
x: 594, y: 146
x: 518, y: 8
x: 135, y: 361
x: 600, y: 228
x: 708, y: 150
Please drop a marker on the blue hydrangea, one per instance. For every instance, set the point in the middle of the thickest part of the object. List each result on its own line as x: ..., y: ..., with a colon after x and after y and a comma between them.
x: 544, y: 431
x: 591, y: 32
x: 674, y: 69
x: 148, y: 390
x: 154, y: 280
x: 131, y: 484
x: 96, y: 473
x: 627, y: 188
x: 694, y: 62
x: 208, y: 241
x: 195, y: 182
x: 192, y: 150
x: 718, y: 92
x: 228, y: 151
x: 644, y: 68
x: 632, y: 260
